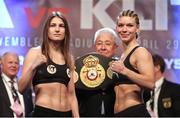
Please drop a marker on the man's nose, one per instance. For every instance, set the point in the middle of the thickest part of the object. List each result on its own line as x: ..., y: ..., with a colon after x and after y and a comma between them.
x: 14, y: 64
x: 103, y: 47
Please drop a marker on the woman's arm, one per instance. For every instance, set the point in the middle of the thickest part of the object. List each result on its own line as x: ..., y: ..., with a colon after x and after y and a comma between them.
x: 31, y: 61
x: 143, y: 63
x: 72, y: 96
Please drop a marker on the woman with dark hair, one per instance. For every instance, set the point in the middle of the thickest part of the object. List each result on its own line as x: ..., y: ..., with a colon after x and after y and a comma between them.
x: 50, y: 68
x: 135, y: 69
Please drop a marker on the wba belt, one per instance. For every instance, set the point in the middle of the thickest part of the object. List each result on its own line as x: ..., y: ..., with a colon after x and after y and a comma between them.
x: 93, y: 72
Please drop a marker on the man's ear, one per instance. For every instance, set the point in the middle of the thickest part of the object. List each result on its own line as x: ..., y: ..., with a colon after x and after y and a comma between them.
x: 157, y: 68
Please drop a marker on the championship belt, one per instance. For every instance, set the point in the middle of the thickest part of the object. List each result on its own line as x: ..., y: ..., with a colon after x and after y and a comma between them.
x: 93, y: 72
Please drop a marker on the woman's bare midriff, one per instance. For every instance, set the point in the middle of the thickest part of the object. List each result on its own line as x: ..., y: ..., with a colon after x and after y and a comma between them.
x: 52, y: 96
x: 127, y: 95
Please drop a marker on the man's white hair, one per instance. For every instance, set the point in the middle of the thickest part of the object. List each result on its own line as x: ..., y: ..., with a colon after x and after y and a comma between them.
x: 107, y: 30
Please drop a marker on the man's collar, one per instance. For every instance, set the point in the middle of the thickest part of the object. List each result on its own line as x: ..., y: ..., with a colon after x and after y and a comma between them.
x: 6, y: 78
x: 159, y: 82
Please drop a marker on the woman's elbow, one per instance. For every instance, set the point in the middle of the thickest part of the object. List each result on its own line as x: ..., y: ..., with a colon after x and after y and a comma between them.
x: 21, y: 87
x: 151, y: 83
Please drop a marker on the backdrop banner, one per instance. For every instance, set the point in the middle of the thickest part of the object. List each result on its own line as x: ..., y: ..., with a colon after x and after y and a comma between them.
x: 22, y: 21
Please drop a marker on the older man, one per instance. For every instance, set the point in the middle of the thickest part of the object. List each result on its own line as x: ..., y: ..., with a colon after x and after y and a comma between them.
x: 100, y: 103
x: 11, y: 101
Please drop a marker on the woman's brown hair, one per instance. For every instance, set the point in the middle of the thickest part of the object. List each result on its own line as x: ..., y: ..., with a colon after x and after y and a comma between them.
x: 64, y: 45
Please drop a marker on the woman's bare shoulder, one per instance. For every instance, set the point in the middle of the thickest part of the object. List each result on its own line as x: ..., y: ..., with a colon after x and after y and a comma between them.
x: 38, y: 48
x: 142, y: 52
x: 35, y: 50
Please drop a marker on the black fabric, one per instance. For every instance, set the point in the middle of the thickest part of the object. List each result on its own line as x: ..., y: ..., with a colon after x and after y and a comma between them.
x: 40, y: 111
x: 43, y: 76
x: 146, y: 95
x: 90, y: 98
x: 90, y: 102
x: 27, y: 95
x: 152, y: 100
x: 134, y: 111
x: 5, y: 110
x: 169, y: 92
x: 15, y: 95
x: 122, y: 79
x: 104, y: 62
x: 14, y: 92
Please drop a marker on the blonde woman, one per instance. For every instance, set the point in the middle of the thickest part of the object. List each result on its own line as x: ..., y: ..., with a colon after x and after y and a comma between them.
x: 135, y: 69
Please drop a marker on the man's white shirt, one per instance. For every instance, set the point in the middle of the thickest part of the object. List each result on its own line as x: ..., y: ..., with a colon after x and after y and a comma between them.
x: 157, y: 90
x: 7, y: 84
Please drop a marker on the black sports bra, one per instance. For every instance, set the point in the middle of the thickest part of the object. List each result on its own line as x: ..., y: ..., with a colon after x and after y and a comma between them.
x: 122, y: 79
x: 48, y: 73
